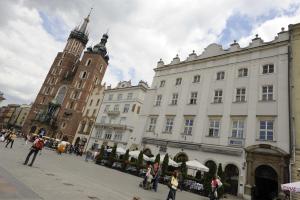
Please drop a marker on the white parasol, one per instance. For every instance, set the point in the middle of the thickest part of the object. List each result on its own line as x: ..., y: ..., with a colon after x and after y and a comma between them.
x: 135, y: 154
x: 196, y: 165
x: 171, y: 162
x: 119, y: 150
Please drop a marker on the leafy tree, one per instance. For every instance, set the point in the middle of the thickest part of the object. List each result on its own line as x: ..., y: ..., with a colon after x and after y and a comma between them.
x: 208, y: 176
x: 139, y: 163
x: 165, y: 164
x: 183, y: 169
x: 112, y: 156
x: 125, y: 159
x: 198, y: 175
x: 157, y: 159
x: 221, y: 174
x: 100, y: 155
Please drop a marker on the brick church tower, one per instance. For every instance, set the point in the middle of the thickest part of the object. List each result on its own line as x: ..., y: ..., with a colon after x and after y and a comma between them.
x: 57, y: 110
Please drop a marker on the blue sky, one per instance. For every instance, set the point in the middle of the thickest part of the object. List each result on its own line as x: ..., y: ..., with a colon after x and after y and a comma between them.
x: 33, y: 32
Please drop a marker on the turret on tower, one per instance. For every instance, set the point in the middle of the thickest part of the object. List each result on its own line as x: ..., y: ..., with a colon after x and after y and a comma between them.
x: 100, y: 48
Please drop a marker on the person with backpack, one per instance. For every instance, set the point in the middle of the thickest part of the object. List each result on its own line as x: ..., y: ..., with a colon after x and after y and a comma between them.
x: 37, y: 146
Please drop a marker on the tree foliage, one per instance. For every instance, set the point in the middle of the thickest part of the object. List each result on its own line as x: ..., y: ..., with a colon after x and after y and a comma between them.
x: 125, y: 159
x: 183, y: 169
x: 139, y: 163
x: 157, y: 159
x: 221, y: 175
x: 165, y: 164
x: 100, y: 155
x: 112, y: 156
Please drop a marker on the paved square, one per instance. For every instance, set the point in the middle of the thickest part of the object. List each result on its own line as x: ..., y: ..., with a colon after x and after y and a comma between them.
x: 68, y: 177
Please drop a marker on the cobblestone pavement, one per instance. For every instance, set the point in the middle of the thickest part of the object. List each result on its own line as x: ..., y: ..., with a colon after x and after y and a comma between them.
x: 68, y: 177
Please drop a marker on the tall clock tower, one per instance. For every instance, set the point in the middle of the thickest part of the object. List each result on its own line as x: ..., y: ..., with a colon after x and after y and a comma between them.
x: 58, y: 107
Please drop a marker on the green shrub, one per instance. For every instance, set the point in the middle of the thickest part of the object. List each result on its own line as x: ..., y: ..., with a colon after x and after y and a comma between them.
x: 100, y: 156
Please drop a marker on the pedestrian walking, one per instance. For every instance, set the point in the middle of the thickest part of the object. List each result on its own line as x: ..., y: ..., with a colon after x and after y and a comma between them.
x: 173, y: 186
x: 157, y: 174
x: 11, y: 140
x: 37, y: 146
x: 215, y: 184
x: 7, y: 135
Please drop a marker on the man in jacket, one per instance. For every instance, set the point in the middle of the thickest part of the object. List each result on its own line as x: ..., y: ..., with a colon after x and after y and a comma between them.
x: 37, y: 146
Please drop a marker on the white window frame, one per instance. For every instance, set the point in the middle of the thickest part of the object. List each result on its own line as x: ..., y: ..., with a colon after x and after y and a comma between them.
x: 116, y: 107
x: 188, y: 125
x: 243, y: 72
x: 174, y: 100
x: 178, y: 81
x: 126, y: 108
x: 268, y: 68
x: 196, y: 79
x: 266, y: 130
x: 267, y: 95
x: 99, y: 133
x: 193, y: 99
x: 215, y: 127
x: 158, y: 100
x: 220, y: 75
x: 169, y: 124
x: 237, y: 131
x: 152, y: 124
x: 239, y: 95
x: 217, y: 97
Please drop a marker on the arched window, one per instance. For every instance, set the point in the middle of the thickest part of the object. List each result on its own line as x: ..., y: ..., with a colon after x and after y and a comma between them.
x: 60, y: 95
x: 180, y: 157
x: 88, y: 62
x: 212, y: 166
x: 83, y: 75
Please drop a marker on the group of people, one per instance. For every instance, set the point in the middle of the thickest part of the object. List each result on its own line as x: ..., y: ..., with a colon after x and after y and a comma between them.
x: 9, y: 137
x: 152, y: 176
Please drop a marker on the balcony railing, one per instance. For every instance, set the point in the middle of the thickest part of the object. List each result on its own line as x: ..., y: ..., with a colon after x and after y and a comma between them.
x: 234, y: 141
x: 113, y: 112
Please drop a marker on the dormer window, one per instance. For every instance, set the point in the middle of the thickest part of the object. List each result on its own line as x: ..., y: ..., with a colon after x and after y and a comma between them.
x: 88, y: 62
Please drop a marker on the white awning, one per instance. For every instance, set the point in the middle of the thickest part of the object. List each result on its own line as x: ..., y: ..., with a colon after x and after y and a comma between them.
x: 196, y: 165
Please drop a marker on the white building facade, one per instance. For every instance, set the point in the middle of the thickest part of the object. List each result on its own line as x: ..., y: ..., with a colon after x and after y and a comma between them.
x: 119, y: 114
x: 225, y: 106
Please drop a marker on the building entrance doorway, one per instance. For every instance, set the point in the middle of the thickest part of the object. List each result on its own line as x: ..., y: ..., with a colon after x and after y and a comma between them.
x: 232, y: 178
x: 266, y: 182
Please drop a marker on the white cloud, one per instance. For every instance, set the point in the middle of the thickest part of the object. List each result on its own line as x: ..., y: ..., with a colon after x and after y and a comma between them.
x: 140, y: 33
